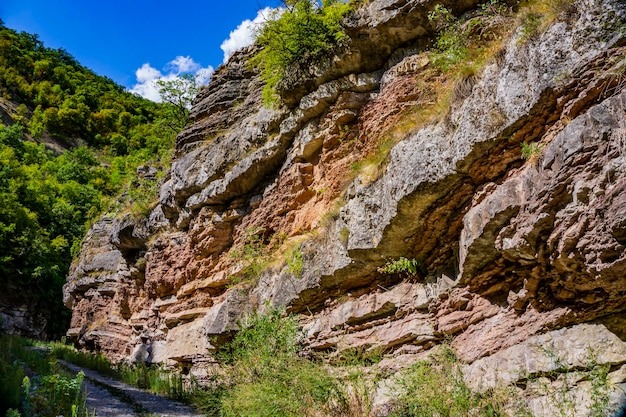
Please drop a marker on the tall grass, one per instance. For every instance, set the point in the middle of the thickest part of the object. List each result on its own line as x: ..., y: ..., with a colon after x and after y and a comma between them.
x: 11, y: 374
x: 436, y: 387
x: 31, y: 383
x: 267, y: 377
x: 155, y: 379
x: 96, y: 361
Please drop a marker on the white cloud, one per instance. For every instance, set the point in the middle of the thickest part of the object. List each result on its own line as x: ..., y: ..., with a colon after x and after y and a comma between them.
x: 245, y: 33
x: 203, y: 75
x: 146, y: 73
x: 148, y: 76
x: 183, y: 64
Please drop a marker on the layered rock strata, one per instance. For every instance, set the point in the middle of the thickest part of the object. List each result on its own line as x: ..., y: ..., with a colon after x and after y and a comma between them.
x: 514, y: 253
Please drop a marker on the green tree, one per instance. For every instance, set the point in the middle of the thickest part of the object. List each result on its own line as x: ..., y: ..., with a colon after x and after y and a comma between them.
x: 177, y: 95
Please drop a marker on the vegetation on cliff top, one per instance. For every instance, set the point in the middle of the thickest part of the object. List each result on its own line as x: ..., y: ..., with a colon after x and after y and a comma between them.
x: 301, y: 32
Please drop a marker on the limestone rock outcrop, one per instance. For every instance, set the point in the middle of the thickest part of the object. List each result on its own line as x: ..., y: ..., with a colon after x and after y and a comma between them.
x: 522, y: 260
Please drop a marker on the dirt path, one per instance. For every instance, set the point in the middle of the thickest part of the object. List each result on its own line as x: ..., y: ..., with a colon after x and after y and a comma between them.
x: 105, y: 403
x: 111, y: 398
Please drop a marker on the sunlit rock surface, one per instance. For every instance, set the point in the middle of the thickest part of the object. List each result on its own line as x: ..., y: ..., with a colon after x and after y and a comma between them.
x: 522, y: 260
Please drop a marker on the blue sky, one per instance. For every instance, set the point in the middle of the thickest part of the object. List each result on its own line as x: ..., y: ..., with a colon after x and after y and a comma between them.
x: 135, y: 42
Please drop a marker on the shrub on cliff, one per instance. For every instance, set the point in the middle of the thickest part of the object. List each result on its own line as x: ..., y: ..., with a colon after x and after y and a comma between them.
x: 300, y: 31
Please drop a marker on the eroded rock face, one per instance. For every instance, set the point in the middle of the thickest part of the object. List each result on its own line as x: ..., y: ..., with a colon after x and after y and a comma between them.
x: 513, y: 252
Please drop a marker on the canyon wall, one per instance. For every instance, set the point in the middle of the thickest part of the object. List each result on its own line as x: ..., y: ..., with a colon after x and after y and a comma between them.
x: 520, y: 258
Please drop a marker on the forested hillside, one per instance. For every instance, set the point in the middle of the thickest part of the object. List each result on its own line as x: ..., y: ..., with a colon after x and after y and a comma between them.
x: 70, y: 144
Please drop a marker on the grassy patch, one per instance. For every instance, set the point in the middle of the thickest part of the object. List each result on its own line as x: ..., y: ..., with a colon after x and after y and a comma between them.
x: 436, y: 388
x: 31, y: 383
x: 268, y: 377
x: 295, y: 261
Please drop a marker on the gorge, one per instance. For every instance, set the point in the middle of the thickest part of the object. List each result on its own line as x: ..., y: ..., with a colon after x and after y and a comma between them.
x: 500, y: 186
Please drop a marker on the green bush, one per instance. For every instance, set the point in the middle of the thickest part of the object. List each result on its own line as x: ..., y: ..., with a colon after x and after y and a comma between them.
x: 49, y: 393
x: 451, y: 45
x: 303, y: 31
x: 57, y: 395
x: 435, y: 387
x: 268, y: 376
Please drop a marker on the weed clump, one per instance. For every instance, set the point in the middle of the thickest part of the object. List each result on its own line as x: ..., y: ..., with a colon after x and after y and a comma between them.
x: 402, y: 265
x: 295, y: 261
x: 530, y: 150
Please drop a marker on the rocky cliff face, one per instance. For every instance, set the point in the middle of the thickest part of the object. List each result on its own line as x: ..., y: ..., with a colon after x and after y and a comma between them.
x: 522, y: 261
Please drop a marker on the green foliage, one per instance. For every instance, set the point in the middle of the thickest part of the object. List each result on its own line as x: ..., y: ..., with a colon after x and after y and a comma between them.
x: 302, y: 32
x: 57, y: 395
x: 558, y: 386
x: 11, y: 412
x: 402, y: 265
x: 530, y: 150
x: 11, y: 374
x: 153, y: 378
x: 295, y: 261
x: 208, y: 400
x: 95, y: 361
x: 68, y: 101
x: 253, y: 255
x: 48, y: 393
x: 269, y: 378
x: 47, y: 200
x: 598, y: 375
x: 177, y: 95
x: 360, y: 357
x: 451, y: 44
x: 436, y: 388
x: 457, y: 37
